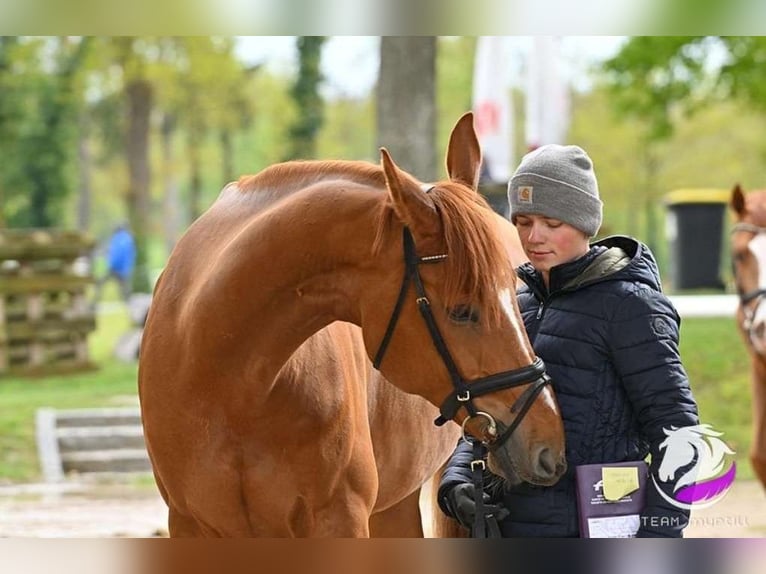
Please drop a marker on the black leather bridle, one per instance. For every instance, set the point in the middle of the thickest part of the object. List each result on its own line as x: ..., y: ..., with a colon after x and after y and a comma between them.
x: 464, y: 391
x: 757, y: 295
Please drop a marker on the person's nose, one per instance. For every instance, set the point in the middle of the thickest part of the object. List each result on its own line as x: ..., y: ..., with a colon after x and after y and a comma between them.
x: 535, y: 234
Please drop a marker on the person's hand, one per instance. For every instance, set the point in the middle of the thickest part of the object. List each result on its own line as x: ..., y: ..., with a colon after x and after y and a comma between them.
x: 461, y: 501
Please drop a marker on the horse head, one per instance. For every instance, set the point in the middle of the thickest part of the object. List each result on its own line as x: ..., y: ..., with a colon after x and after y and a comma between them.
x: 748, y: 255
x: 450, y: 329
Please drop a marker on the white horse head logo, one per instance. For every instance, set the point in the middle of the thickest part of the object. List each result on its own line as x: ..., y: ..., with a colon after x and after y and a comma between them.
x: 698, y: 444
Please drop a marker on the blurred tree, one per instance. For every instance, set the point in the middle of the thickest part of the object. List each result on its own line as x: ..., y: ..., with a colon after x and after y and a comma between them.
x: 654, y: 78
x: 39, y: 105
x: 266, y: 141
x: 49, y: 146
x: 454, y: 84
x: 202, y: 90
x: 742, y: 73
x: 308, y: 101
x: 406, y: 102
x: 134, y: 57
x: 10, y: 116
x: 85, y: 165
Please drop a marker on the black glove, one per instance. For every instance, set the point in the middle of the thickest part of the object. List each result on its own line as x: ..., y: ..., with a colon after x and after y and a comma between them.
x: 461, y: 501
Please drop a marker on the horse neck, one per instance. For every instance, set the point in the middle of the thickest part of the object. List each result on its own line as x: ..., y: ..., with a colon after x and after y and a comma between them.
x: 305, y: 255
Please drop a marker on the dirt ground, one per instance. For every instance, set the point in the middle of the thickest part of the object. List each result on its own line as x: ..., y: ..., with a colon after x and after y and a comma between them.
x: 114, y: 510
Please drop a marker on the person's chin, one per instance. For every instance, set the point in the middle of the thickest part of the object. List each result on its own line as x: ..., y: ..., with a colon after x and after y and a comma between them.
x: 540, y: 258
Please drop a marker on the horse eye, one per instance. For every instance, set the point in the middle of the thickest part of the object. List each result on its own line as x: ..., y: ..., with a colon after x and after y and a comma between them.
x: 463, y: 314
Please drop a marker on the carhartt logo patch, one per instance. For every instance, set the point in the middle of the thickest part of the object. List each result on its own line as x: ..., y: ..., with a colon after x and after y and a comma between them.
x: 524, y: 193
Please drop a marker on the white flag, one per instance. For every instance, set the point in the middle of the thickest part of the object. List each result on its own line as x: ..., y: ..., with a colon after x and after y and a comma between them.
x: 492, y: 107
x: 547, y: 101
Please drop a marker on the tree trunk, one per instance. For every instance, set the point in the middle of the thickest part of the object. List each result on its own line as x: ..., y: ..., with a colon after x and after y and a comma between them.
x: 650, y: 199
x: 84, y: 165
x: 195, y: 171
x: 171, y: 213
x: 139, y: 99
x: 227, y: 156
x: 406, y: 111
x: 308, y: 101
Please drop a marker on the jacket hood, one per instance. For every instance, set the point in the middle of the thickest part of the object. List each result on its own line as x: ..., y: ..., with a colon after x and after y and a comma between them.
x: 641, y: 266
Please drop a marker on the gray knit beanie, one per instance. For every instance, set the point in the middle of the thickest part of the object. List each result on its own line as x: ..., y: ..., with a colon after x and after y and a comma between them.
x: 557, y: 181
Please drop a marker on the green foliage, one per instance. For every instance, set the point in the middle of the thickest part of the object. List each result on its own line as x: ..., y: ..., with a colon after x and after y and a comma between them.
x: 742, y: 75
x: 199, y: 82
x: 114, y: 384
x: 349, y: 131
x: 454, y: 84
x: 49, y: 143
x: 718, y: 366
x: 37, y: 114
x: 305, y: 92
x: 715, y: 148
x: 652, y: 74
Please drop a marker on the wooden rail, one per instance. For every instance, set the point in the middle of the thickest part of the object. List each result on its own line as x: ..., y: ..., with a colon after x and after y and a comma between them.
x: 45, y: 317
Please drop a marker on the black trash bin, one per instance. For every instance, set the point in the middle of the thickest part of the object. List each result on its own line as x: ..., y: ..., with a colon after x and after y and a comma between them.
x: 496, y: 195
x: 695, y: 221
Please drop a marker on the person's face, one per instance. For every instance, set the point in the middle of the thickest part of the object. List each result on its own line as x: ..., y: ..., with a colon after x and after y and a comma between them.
x: 548, y: 242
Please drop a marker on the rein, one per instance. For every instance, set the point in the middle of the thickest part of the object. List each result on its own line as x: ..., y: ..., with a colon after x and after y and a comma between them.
x: 463, y: 393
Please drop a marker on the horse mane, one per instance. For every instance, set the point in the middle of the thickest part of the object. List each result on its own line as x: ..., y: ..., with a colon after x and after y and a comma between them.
x: 291, y: 176
x: 477, y: 263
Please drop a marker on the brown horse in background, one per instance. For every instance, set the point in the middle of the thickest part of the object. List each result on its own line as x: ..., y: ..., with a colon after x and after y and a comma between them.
x: 748, y: 254
x: 262, y: 413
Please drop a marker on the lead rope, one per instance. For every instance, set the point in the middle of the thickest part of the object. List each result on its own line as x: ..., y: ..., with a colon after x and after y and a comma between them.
x: 484, y: 522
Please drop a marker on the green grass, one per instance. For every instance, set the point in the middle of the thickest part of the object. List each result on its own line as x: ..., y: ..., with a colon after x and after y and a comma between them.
x: 719, y: 371
x: 113, y: 384
x: 712, y: 352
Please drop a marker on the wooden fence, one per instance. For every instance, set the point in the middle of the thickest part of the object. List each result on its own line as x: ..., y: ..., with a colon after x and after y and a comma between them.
x: 45, y: 317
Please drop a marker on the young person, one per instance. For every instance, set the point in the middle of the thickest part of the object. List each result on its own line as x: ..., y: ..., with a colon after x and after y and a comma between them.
x: 596, y: 315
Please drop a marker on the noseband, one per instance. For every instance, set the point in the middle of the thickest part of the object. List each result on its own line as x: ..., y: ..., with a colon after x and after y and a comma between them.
x: 463, y: 393
x: 756, y: 295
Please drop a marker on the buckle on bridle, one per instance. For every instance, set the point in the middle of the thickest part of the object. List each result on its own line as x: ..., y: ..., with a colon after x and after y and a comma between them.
x: 480, y: 464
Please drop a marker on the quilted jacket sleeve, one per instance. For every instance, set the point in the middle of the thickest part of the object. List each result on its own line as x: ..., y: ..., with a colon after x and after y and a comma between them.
x: 644, y: 336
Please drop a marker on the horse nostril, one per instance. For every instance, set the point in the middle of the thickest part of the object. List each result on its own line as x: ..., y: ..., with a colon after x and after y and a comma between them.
x: 759, y: 329
x: 546, y: 463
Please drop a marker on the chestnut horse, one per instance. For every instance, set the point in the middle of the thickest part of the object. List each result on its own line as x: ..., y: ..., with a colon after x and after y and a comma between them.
x: 748, y: 255
x: 263, y: 414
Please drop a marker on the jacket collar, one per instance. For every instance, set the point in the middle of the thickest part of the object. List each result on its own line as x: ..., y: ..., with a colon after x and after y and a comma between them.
x: 607, y: 258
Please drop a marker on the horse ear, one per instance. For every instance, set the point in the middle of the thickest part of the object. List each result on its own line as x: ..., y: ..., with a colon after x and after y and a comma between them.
x: 464, y: 153
x: 737, y: 201
x: 411, y: 204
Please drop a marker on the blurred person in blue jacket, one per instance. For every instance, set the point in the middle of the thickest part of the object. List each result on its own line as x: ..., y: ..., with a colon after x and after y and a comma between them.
x: 120, y: 261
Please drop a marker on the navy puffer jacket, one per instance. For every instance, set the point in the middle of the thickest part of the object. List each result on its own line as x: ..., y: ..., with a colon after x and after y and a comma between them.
x: 609, y: 339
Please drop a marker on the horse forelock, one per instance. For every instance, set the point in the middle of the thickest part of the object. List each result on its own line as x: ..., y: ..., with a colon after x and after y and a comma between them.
x: 477, y: 266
